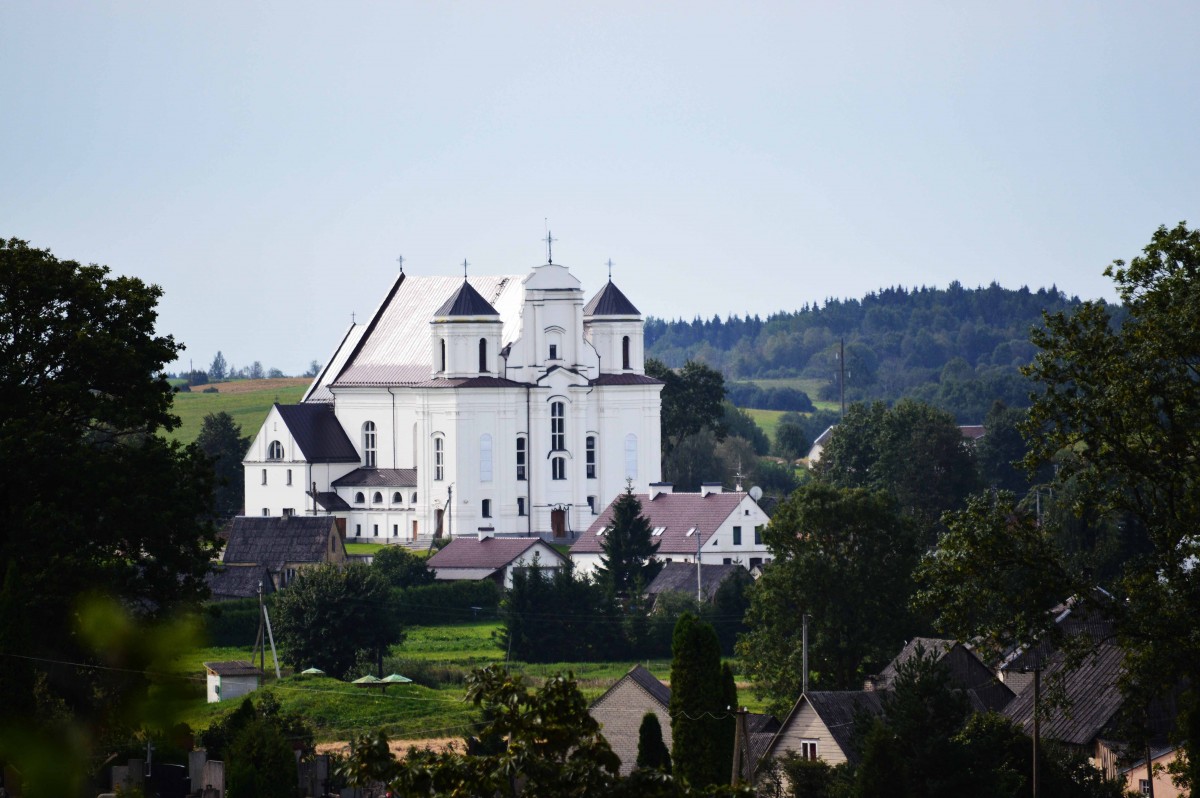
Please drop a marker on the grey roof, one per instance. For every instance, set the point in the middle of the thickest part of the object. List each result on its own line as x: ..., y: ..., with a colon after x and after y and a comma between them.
x: 466, y: 301
x: 966, y: 670
x: 272, y: 541
x: 378, y: 478
x: 681, y: 577
x: 1092, y: 692
x: 330, y: 502
x: 318, y: 433
x: 610, y: 302
x: 838, y: 710
x: 650, y: 683
x: 227, y: 582
x: 234, y: 667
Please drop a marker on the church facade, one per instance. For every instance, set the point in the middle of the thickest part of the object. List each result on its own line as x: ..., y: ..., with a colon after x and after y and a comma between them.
x: 494, y: 404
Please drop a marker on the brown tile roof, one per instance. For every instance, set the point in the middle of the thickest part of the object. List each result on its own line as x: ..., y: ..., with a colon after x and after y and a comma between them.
x: 678, y: 513
x: 493, y: 553
x: 378, y: 478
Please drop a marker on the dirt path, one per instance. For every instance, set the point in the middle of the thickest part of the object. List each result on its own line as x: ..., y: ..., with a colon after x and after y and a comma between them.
x: 399, y: 747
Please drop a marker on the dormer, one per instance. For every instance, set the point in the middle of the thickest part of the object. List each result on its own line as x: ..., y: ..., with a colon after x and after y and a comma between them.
x: 466, y: 332
x: 614, y: 327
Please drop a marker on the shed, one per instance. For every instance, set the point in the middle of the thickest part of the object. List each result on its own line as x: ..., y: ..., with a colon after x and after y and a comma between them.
x: 232, y: 679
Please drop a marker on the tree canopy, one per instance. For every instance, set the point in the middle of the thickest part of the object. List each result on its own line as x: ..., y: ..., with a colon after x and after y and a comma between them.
x: 222, y: 441
x: 691, y: 401
x: 701, y: 712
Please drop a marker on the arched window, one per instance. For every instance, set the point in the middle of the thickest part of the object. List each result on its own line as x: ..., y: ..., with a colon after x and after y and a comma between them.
x: 368, y: 438
x: 521, y: 454
x: 359, y: 498
x: 443, y: 361
x: 558, y: 426
x: 591, y: 457
x: 414, y: 497
x: 631, y: 456
x: 483, y: 356
x: 486, y: 508
x: 397, y: 498
x: 439, y: 459
x: 377, y: 498
x: 275, y: 451
x: 558, y: 468
x: 485, y: 458
x: 625, y: 352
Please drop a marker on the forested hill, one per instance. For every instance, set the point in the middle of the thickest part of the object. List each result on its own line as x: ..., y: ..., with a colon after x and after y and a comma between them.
x: 958, y: 348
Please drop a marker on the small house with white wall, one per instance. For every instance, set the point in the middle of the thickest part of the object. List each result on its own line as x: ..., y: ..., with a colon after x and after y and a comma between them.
x: 714, y: 525
x: 232, y: 679
x: 485, y: 556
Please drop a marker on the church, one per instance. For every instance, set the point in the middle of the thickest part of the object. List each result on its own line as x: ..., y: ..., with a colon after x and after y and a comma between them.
x: 486, y: 405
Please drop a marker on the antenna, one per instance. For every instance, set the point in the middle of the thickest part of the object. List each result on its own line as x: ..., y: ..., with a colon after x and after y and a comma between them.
x: 756, y: 493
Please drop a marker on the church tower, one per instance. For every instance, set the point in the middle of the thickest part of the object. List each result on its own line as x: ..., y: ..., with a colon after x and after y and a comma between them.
x: 613, y: 326
x: 466, y: 333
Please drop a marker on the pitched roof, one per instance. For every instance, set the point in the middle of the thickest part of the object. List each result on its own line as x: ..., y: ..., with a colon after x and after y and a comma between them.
x: 838, y: 710
x: 969, y: 673
x: 378, y: 478
x: 318, y: 433
x: 935, y: 646
x: 681, y: 577
x: 1092, y: 692
x: 272, y: 541
x: 233, y: 667
x: 650, y: 683
x: 677, y: 513
x: 610, y: 302
x: 625, y: 379
x: 493, y: 553
x: 466, y: 301
x: 330, y: 502
x: 227, y: 582
x: 972, y: 431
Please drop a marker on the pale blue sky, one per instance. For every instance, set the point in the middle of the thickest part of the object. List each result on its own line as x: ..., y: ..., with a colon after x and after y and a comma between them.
x: 265, y: 163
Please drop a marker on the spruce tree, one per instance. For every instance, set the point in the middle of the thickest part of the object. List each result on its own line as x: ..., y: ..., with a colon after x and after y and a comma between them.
x: 652, y: 751
x: 697, y: 708
x: 628, y: 546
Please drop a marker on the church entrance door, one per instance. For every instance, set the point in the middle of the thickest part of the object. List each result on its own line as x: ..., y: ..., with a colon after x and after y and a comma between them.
x: 558, y: 523
x: 414, y: 535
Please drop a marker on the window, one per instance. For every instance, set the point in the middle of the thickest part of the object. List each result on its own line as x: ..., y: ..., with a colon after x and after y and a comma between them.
x: 558, y: 468
x: 631, y: 457
x: 483, y: 356
x: 520, y: 505
x: 289, y: 476
x: 1143, y: 786
x: 377, y: 498
x: 443, y: 361
x: 727, y: 561
x: 397, y: 498
x: 520, y: 459
x: 486, y: 508
x: 625, y: 352
x: 275, y: 451
x: 591, y: 457
x: 414, y: 498
x: 592, y: 504
x: 485, y: 458
x: 558, y: 426
x: 395, y: 530
x: 808, y: 749
x: 288, y: 512
x: 375, y: 528
x: 737, y: 536
x: 266, y: 511
x: 369, y: 444
x: 755, y: 562
x: 554, y: 351
x: 264, y: 476
x: 757, y: 535
x: 439, y: 459
x: 358, y: 530
x: 359, y: 498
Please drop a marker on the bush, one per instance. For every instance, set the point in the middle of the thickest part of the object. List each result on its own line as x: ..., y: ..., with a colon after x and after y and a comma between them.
x: 213, y: 389
x: 446, y: 602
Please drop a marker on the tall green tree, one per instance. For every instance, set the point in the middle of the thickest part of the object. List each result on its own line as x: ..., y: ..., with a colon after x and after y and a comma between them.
x: 401, y: 567
x: 844, y: 556
x: 222, y: 442
x: 585, y: 622
x: 691, y: 401
x: 652, y: 751
x: 114, y: 507
x: 1001, y: 450
x: 628, y: 547
x: 700, y: 719
x: 219, y: 369
x: 330, y: 616
x: 261, y: 764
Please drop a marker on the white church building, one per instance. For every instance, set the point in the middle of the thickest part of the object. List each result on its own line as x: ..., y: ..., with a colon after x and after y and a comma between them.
x: 501, y: 404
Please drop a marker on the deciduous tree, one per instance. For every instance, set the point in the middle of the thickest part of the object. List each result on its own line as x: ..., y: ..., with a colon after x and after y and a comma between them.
x: 691, y: 401
x: 219, y: 369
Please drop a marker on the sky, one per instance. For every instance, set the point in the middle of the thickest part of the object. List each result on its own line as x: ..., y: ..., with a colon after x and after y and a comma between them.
x: 266, y: 163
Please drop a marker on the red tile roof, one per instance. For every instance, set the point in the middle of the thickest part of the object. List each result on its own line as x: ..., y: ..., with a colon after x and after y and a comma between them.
x: 678, y: 512
x: 469, y: 552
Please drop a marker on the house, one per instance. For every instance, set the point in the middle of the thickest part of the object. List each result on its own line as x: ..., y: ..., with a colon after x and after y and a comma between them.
x: 277, y: 547
x: 821, y: 725
x: 504, y: 402
x: 232, y: 679
x: 621, y: 709
x: 680, y: 577
x: 1138, y: 783
x: 714, y: 525
x: 232, y: 582
x: 485, y: 556
x: 966, y: 670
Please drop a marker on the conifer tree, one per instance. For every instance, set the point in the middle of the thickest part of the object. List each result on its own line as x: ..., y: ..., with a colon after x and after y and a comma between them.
x: 629, y: 548
x: 697, y: 708
x: 652, y: 751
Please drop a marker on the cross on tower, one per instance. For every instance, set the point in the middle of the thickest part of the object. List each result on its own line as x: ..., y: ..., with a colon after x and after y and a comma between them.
x: 400, y: 260
x: 610, y: 270
x: 549, y: 239
x: 464, y: 268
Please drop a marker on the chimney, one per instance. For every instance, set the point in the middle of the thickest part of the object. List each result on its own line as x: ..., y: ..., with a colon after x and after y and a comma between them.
x: 709, y: 487
x: 486, y: 532
x: 660, y: 487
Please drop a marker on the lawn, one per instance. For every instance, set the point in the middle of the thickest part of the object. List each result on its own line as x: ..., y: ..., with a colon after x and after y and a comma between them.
x: 247, y: 401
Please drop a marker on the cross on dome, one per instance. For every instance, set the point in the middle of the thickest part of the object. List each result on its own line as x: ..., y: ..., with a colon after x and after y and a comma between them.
x: 549, y: 239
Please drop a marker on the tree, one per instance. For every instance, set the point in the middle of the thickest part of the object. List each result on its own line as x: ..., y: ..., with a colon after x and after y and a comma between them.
x: 261, y: 764
x: 401, y: 568
x: 331, y: 615
x: 791, y: 442
x: 219, y: 369
x: 628, y: 547
x: 652, y: 751
x: 222, y: 442
x: 691, y: 401
x: 1001, y: 450
x: 845, y: 557
x: 114, y: 507
x: 314, y: 368
x: 274, y: 374
x: 699, y: 716
x: 584, y: 625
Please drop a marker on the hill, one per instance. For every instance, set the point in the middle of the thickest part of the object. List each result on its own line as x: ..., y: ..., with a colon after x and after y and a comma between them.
x: 957, y: 348
x: 246, y: 400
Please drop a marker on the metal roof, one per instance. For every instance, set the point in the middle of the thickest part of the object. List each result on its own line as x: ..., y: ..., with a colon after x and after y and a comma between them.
x: 610, y: 302
x: 466, y: 301
x: 625, y: 379
x: 676, y: 513
x: 235, y: 667
x: 378, y: 478
x: 318, y: 433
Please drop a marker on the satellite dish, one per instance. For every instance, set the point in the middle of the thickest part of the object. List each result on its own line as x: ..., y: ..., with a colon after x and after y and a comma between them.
x: 756, y: 493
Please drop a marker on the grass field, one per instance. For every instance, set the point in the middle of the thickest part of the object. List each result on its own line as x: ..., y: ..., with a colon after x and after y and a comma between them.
x: 767, y: 420
x: 246, y: 400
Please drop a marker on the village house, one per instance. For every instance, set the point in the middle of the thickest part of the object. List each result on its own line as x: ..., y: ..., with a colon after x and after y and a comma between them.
x: 507, y: 402
x: 681, y: 577
x: 713, y: 526
x: 485, y: 556
x: 966, y: 670
x: 271, y: 551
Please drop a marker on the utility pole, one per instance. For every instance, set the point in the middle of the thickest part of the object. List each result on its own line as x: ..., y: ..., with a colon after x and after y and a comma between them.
x: 1037, y: 697
x: 259, y: 643
x: 739, y: 738
x: 804, y: 654
x: 698, y: 597
x: 842, y: 374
